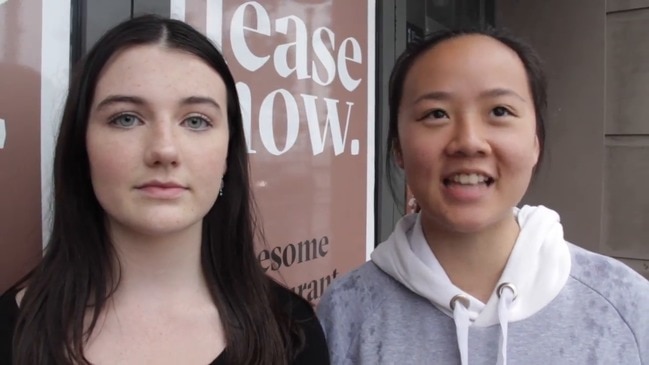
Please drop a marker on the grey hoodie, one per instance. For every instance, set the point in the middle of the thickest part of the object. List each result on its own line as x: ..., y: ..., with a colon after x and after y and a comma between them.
x: 559, y: 304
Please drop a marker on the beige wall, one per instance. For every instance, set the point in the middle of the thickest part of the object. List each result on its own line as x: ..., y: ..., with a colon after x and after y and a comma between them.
x: 597, y: 158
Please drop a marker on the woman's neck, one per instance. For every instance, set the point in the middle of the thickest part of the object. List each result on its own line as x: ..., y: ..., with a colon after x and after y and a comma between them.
x: 473, y: 261
x: 161, y: 302
x: 166, y: 266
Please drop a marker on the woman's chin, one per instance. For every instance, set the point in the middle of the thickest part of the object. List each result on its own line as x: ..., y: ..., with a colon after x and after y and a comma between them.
x: 468, y: 222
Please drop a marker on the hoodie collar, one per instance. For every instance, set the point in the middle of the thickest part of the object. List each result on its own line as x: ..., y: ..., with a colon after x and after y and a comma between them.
x: 538, y: 267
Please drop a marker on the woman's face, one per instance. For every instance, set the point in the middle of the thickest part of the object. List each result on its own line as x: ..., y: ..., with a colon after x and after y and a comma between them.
x: 467, y: 133
x: 157, y: 140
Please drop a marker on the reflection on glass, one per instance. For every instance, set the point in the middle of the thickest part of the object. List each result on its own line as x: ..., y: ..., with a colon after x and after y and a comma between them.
x: 428, y: 16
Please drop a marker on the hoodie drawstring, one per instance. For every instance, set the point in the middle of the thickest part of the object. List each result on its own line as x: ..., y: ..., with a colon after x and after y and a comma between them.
x: 462, y: 323
x: 506, y: 295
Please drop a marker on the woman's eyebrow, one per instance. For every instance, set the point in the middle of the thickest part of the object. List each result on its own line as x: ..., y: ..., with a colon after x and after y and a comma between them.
x: 192, y: 100
x: 116, y: 99
x: 496, y: 92
x: 434, y: 95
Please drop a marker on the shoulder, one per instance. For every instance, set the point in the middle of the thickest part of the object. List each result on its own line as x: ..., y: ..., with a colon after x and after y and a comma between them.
x: 294, y: 306
x: 350, y: 303
x: 8, y: 318
x: 607, y: 276
x: 301, y: 312
x: 617, y: 285
x: 362, y: 289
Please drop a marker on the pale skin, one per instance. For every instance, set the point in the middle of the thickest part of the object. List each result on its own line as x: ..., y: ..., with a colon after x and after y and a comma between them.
x: 159, y: 116
x: 467, y: 109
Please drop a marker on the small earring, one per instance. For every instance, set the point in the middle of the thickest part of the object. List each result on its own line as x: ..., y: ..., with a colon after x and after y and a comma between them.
x: 221, y: 189
x: 413, y: 205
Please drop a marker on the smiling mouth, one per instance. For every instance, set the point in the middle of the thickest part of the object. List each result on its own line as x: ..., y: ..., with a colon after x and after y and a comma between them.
x: 468, y: 180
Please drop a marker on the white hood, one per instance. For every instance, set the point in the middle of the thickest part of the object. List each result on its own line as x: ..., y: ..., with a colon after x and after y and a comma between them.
x: 538, y: 268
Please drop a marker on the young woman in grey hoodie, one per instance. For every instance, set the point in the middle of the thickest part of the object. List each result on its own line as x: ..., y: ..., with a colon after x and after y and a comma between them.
x: 471, y: 278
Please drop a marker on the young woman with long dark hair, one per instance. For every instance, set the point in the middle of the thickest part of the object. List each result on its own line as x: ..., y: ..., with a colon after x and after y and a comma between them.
x: 151, y: 256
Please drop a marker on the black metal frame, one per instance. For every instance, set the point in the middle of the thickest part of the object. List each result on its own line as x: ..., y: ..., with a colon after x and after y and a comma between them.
x: 77, y: 30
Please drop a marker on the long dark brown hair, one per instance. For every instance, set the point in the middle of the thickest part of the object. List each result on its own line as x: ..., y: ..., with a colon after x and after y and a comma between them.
x: 75, y: 275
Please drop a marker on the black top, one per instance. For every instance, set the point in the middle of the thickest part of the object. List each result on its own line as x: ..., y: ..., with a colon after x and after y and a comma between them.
x: 314, y: 352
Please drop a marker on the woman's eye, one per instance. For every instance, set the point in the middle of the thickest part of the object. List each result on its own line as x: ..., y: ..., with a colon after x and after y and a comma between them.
x: 500, y: 111
x: 126, y: 121
x: 437, y: 114
x: 197, y: 123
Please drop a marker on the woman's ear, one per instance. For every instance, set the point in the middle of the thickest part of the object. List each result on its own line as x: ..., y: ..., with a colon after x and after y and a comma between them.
x: 537, y: 150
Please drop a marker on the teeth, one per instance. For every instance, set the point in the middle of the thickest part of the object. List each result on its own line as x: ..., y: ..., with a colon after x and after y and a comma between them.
x: 469, y: 179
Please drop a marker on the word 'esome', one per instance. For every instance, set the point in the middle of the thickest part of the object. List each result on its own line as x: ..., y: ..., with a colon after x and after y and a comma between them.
x: 288, y: 255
